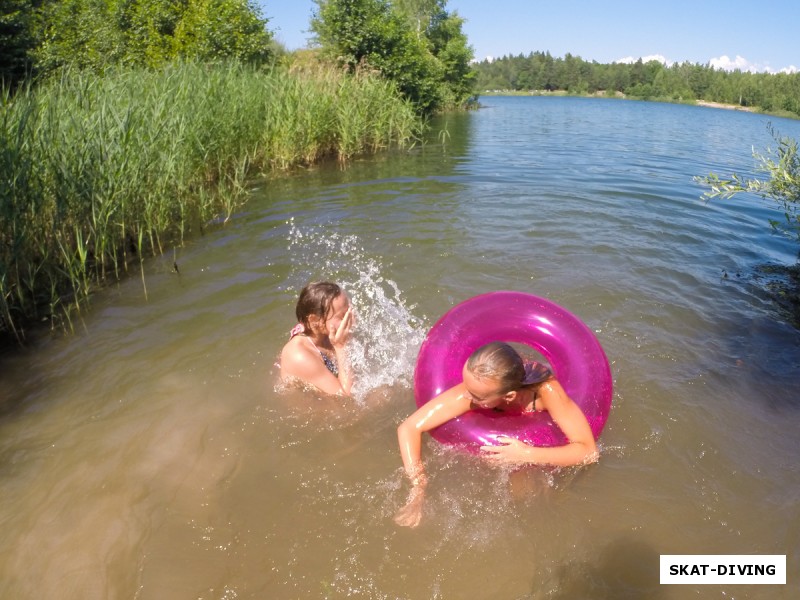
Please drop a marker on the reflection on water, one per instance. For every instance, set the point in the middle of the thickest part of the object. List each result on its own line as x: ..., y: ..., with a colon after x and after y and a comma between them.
x: 152, y: 456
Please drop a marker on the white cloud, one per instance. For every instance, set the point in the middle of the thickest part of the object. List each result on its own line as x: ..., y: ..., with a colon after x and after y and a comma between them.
x: 725, y: 63
x: 646, y: 59
x: 488, y: 58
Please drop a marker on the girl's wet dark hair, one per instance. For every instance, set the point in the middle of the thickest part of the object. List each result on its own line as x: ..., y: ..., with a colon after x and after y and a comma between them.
x: 316, y: 299
x: 499, y: 361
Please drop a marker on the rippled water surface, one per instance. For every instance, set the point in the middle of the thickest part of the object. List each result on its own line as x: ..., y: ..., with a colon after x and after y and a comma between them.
x: 150, y: 456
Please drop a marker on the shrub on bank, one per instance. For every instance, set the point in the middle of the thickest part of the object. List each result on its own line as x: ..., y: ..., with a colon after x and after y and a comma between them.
x: 98, y: 171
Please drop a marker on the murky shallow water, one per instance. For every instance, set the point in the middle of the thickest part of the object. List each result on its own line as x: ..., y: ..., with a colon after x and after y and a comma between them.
x: 150, y: 456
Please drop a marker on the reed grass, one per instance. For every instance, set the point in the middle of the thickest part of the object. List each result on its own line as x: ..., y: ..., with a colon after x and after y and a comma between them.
x: 97, y: 172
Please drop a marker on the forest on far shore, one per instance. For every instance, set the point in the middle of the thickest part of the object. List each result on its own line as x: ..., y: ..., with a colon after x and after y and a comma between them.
x: 776, y: 93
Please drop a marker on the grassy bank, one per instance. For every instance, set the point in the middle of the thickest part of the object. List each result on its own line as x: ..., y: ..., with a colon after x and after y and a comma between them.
x: 96, y: 173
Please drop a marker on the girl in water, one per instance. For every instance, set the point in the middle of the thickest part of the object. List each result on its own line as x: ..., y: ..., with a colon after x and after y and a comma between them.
x: 496, y: 377
x: 315, y: 354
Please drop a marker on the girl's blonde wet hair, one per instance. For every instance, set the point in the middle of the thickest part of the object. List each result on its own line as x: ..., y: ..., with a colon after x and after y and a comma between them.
x: 499, y: 361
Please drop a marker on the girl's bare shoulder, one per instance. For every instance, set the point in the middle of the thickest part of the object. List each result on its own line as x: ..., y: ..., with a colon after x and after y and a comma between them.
x: 297, y: 351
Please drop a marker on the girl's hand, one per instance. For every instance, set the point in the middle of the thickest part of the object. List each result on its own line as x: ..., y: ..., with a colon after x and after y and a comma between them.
x: 512, y: 451
x: 339, y: 335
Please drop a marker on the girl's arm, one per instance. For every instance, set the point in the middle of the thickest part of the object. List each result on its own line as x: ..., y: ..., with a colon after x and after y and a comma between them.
x: 580, y: 449
x: 446, y: 406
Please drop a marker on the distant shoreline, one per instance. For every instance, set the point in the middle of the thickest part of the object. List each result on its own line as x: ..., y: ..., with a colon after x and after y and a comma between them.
x: 602, y: 94
x: 725, y: 106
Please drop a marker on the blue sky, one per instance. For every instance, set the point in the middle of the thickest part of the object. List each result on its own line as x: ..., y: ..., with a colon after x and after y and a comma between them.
x: 744, y: 34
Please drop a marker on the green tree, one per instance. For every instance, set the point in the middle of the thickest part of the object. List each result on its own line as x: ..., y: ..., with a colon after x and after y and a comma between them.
x: 218, y: 29
x: 16, y: 39
x: 418, y: 46
x: 95, y: 34
x: 419, y: 12
x: 779, y: 93
x: 451, y: 48
x: 699, y: 79
x: 149, y: 27
x: 81, y: 33
x: 367, y: 34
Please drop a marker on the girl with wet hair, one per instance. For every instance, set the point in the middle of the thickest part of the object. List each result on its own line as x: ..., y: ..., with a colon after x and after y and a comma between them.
x: 496, y: 377
x: 499, y: 361
x: 316, y: 351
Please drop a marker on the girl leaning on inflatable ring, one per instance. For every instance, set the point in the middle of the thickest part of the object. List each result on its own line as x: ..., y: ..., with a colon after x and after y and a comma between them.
x: 496, y: 377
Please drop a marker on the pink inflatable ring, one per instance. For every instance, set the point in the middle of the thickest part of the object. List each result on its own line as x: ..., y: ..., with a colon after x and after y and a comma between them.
x: 573, y: 351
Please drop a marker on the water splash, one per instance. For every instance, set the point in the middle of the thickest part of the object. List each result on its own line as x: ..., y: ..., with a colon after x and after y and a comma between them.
x: 386, y: 336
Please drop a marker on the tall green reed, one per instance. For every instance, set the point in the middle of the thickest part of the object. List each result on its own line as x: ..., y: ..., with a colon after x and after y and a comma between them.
x: 96, y: 172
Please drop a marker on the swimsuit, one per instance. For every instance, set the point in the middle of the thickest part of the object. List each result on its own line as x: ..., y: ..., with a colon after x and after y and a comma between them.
x: 500, y: 409
x: 329, y: 362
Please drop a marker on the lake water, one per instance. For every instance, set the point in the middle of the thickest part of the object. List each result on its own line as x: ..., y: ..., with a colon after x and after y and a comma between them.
x: 150, y: 455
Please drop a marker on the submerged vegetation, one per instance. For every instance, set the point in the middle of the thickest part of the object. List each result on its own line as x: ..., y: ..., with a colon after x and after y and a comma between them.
x: 781, y: 186
x: 96, y: 172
